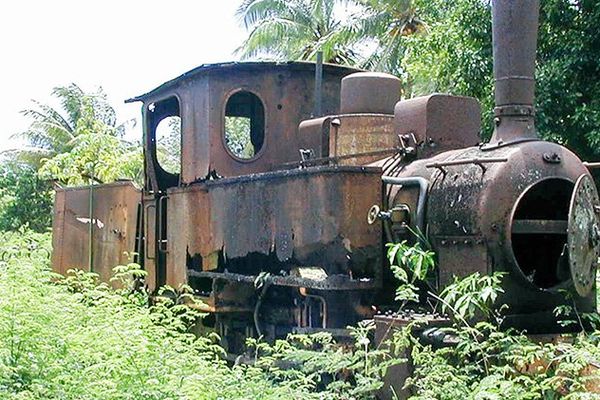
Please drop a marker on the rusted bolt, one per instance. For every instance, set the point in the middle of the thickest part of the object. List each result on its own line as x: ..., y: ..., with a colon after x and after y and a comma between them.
x: 455, y: 242
x: 494, y: 227
x: 443, y: 242
x: 552, y: 158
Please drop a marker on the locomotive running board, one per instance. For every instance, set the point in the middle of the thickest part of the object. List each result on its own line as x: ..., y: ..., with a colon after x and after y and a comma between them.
x: 333, y: 282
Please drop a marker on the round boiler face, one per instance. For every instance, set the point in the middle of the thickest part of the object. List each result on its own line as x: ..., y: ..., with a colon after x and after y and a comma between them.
x: 539, y: 233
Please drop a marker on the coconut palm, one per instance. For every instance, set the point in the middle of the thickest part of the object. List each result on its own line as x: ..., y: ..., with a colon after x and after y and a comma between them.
x: 53, y: 131
x: 382, y: 25
x: 295, y: 30
x: 81, y: 138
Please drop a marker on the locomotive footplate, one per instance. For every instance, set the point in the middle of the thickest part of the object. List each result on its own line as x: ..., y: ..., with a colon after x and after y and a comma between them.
x: 333, y: 282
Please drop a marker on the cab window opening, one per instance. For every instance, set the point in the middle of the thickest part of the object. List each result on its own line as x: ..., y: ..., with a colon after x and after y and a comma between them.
x: 165, y: 121
x: 244, y: 128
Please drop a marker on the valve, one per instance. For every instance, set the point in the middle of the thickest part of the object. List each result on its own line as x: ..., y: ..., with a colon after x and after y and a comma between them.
x: 397, y: 215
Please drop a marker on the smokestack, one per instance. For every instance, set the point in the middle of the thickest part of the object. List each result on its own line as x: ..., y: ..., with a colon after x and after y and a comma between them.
x: 514, y: 37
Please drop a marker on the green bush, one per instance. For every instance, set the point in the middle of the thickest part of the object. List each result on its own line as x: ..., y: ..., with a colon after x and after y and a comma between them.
x: 25, y: 198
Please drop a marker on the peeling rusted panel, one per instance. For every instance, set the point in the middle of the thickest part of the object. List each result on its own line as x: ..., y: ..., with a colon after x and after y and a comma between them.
x: 114, y: 226
x: 362, y: 134
x: 313, y: 216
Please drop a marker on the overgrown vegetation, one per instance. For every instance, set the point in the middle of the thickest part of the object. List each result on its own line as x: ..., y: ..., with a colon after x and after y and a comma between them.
x: 74, y: 338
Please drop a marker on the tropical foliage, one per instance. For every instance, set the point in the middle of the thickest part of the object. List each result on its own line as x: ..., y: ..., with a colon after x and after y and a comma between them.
x: 294, y: 30
x: 80, y: 141
x: 25, y: 198
x: 95, y: 157
x: 53, y: 131
x: 75, y: 338
x: 455, y: 55
x: 380, y: 28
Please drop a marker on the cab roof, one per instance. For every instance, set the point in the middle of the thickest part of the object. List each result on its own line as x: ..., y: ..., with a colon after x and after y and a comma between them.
x: 205, y: 68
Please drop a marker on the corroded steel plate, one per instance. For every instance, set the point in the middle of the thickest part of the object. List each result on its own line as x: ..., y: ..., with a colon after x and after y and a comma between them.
x: 584, y: 235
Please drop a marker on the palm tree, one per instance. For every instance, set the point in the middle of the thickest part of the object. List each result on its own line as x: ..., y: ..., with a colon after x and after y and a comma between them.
x: 295, y: 30
x: 54, y: 131
x: 382, y: 25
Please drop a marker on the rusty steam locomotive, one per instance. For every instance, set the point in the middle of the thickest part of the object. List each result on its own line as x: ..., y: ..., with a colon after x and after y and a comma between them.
x: 334, y: 166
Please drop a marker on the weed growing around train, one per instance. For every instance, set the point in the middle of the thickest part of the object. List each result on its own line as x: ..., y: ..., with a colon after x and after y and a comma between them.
x: 72, y: 338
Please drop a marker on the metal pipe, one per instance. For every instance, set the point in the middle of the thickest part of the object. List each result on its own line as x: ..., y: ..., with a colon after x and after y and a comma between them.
x: 91, y: 230
x: 318, y: 110
x: 591, y: 165
x: 423, y: 185
x: 259, y: 301
x: 514, y: 37
x: 465, y: 161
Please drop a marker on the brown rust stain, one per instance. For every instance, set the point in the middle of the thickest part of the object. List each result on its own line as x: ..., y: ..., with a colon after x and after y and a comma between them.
x: 114, y: 221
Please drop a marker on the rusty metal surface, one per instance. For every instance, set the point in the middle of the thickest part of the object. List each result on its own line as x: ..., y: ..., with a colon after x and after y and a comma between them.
x: 351, y: 139
x: 313, y: 135
x: 439, y: 122
x: 514, y: 37
x: 460, y: 256
x: 361, y: 134
x: 230, y: 66
x: 369, y: 93
x: 334, y: 282
x: 114, y: 227
x: 306, y: 217
x: 514, y: 33
x: 539, y: 226
x: 470, y: 214
x: 285, y: 91
x: 584, y: 235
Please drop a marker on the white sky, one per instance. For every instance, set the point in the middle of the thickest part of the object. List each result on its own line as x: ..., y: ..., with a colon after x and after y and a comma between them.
x: 128, y: 47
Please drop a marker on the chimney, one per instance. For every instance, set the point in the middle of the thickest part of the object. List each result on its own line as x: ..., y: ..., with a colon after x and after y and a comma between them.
x: 514, y: 37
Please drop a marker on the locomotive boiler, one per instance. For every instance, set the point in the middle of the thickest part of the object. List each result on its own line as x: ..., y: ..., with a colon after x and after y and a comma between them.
x: 294, y: 176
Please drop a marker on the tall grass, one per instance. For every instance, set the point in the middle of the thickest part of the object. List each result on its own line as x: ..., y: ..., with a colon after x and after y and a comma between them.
x: 73, y: 339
